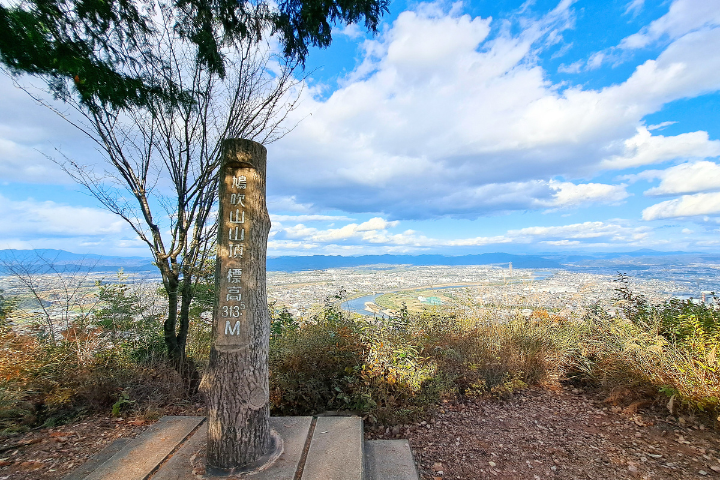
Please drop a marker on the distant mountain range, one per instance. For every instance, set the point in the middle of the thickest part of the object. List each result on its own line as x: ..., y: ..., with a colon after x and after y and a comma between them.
x: 101, y: 263
x: 63, y: 259
x: 320, y: 262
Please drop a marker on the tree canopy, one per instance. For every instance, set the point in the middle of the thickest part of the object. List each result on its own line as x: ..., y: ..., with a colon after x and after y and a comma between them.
x: 158, y: 86
x: 91, y: 46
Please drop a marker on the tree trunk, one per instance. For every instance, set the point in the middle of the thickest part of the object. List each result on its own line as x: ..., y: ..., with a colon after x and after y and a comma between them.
x: 187, y: 367
x: 171, y: 287
x: 236, y: 382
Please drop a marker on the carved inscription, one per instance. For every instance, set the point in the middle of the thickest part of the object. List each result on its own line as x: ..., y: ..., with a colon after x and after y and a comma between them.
x: 233, y: 322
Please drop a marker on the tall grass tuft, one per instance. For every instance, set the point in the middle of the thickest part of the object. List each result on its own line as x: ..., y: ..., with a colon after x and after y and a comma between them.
x: 395, y: 370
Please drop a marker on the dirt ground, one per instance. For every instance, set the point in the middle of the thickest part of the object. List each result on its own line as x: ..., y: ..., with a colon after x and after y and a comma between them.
x: 560, y: 433
x: 52, y: 453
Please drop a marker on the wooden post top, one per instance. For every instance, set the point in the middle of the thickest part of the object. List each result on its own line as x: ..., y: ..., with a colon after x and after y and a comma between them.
x: 239, y: 153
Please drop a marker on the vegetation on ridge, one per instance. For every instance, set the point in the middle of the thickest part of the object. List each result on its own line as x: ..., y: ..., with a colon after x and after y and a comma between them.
x: 388, y: 370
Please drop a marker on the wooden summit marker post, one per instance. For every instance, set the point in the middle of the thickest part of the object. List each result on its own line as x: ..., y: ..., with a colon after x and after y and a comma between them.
x: 237, y: 385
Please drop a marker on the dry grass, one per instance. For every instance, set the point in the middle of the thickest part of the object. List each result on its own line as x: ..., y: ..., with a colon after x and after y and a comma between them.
x: 397, y: 370
x: 390, y: 371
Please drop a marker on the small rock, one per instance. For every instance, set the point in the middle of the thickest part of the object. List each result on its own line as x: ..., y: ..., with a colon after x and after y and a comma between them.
x: 396, y: 430
x: 672, y: 406
x: 576, y: 391
x: 715, y: 468
x: 702, y: 472
x: 492, y: 464
x: 632, y: 468
x: 437, y: 467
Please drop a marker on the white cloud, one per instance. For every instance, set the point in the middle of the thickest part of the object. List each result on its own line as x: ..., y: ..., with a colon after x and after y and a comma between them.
x: 614, y: 231
x: 471, y: 125
x: 23, y: 163
x: 646, y: 149
x: 574, y: 67
x: 290, y: 245
x: 29, y: 132
x: 634, y: 7
x: 562, y: 243
x: 361, y: 238
x: 46, y: 218
x: 570, y: 194
x: 285, y: 203
x: 660, y: 125
x: 352, y: 31
x: 685, y: 178
x: 685, y: 206
x: 367, y: 231
x: 376, y: 223
x: 308, y: 218
x: 687, y: 231
x: 595, y: 61
x: 683, y: 17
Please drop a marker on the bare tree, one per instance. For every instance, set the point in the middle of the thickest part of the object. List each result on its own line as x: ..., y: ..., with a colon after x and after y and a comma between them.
x: 161, y: 161
x: 64, y: 293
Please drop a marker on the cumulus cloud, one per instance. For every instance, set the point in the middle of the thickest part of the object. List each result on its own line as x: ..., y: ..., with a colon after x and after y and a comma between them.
x: 569, y: 194
x: 443, y: 119
x: 377, y: 233
x: 684, y: 178
x: 685, y: 206
x: 683, y: 17
x: 29, y: 132
x: 287, y: 203
x: 646, y: 149
x: 308, y: 218
x: 47, y: 218
x: 366, y: 231
x: 613, y: 231
x: 23, y: 163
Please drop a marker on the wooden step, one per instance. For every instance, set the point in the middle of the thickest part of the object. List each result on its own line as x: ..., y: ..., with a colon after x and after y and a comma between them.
x: 138, y: 458
x: 389, y: 459
x: 322, y: 448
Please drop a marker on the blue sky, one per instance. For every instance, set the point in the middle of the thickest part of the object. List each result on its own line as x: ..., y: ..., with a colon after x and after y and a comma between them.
x: 460, y: 128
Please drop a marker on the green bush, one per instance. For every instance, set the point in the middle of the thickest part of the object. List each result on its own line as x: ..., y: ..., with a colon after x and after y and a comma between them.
x: 666, y: 349
x: 313, y: 369
x: 395, y: 370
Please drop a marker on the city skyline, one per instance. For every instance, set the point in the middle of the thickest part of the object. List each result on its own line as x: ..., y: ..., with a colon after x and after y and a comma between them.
x: 460, y: 128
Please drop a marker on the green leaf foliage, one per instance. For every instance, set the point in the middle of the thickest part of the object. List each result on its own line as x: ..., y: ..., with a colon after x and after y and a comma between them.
x: 92, y: 47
